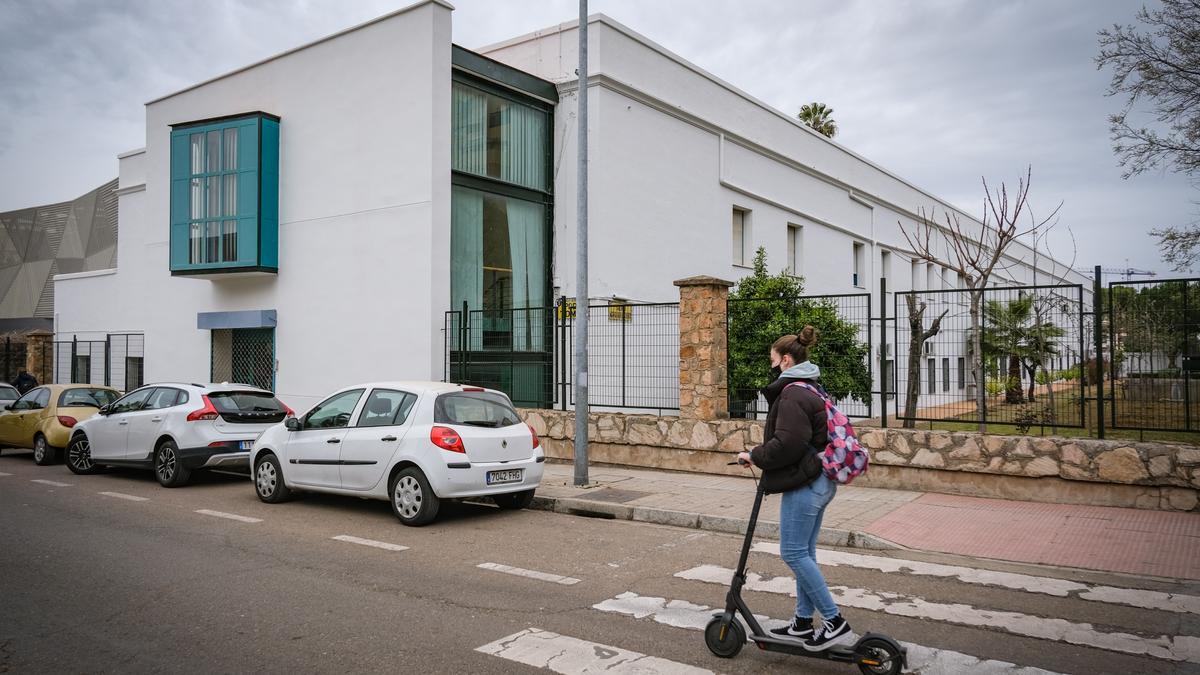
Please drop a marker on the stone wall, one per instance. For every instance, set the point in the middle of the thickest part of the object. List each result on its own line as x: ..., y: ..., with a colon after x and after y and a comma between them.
x: 1058, y: 470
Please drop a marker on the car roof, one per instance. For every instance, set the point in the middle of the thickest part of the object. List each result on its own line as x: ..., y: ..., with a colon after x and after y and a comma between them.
x: 424, y: 386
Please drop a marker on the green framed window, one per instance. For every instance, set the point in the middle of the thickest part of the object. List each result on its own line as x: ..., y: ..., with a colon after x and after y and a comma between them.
x: 225, y: 195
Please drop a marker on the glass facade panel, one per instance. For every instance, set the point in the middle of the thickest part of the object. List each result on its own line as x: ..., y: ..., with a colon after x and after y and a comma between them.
x: 494, y: 137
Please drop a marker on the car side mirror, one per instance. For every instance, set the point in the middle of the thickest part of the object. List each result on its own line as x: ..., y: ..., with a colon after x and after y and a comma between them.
x: 293, y: 424
x: 8, y: 406
x: 104, y: 410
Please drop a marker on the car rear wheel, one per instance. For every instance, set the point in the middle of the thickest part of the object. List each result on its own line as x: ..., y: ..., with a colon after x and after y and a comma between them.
x: 268, y: 480
x: 514, y: 501
x: 168, y: 468
x: 412, y: 499
x: 43, y: 453
x: 79, y: 456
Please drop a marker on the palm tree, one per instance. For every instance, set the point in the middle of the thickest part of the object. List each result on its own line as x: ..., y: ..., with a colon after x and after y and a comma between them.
x: 1004, y: 334
x: 819, y: 117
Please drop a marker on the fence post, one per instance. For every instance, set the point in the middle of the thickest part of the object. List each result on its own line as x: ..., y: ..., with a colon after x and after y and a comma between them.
x: 1098, y: 320
x: 1187, y: 380
x: 883, y: 369
x: 108, y: 359
x: 703, y: 348
x: 561, y: 320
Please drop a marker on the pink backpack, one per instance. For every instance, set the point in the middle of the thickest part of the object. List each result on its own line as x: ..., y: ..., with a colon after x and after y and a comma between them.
x: 844, y: 458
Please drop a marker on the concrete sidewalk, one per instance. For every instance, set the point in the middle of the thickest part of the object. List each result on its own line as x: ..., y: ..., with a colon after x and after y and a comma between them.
x: 1132, y: 541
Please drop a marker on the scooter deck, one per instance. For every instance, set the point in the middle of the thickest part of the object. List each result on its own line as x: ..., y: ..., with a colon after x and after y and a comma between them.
x: 843, y: 653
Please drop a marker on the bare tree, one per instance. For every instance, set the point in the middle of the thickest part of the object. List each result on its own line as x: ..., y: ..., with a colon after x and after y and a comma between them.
x: 975, y: 256
x: 918, y: 335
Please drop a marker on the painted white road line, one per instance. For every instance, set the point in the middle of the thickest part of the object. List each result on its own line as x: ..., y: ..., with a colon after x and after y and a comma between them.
x: 122, y: 495
x: 1171, y: 648
x: 229, y: 516
x: 370, y: 542
x: 921, y: 660
x: 531, y: 574
x: 1170, y: 602
x: 564, y: 654
x: 52, y: 483
x: 2, y: 474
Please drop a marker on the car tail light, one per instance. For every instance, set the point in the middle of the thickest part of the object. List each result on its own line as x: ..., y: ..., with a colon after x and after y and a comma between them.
x: 447, y: 439
x: 536, y: 441
x: 67, y: 422
x: 207, y: 413
x: 474, y: 389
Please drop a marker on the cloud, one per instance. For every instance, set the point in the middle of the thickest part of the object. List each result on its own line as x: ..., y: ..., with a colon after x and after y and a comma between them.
x: 940, y: 92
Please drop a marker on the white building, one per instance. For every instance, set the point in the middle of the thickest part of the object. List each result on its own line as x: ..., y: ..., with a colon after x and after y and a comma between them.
x: 309, y: 220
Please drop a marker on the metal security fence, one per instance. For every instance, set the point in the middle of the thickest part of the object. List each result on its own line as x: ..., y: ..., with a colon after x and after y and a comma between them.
x: 1033, y: 341
x: 843, y: 350
x: 633, y: 359
x: 116, y: 361
x: 244, y: 356
x: 1152, y: 358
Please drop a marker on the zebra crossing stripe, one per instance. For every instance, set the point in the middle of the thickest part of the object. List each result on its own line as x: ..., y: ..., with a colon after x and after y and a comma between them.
x: 1177, y: 648
x: 529, y: 574
x: 1062, y: 588
x: 51, y: 483
x: 564, y: 654
x: 921, y: 660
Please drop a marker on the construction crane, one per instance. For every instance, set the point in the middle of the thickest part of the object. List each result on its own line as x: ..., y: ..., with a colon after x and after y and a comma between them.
x: 1128, y: 273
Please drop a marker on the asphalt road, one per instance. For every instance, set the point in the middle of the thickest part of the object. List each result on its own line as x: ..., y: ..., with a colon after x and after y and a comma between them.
x: 139, y: 580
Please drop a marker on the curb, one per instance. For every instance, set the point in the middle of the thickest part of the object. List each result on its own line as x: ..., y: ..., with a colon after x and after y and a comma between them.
x: 574, y: 506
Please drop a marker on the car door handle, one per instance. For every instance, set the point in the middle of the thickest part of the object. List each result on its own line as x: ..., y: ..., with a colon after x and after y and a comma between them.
x: 334, y: 440
x: 122, y: 423
x: 156, y: 419
x: 388, y: 439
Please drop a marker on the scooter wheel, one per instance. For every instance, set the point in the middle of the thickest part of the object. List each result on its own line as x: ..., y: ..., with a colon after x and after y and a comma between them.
x: 724, y: 639
x: 878, y: 657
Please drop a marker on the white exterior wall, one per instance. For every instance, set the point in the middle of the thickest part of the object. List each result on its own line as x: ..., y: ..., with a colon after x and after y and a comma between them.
x: 364, y: 216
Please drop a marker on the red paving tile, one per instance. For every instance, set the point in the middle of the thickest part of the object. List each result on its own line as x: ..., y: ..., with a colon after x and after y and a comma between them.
x: 1132, y: 541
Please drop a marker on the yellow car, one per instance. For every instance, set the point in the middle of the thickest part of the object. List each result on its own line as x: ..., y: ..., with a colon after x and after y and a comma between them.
x: 42, y: 419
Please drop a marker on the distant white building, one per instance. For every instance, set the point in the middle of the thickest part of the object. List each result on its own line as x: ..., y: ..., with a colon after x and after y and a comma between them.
x: 308, y: 221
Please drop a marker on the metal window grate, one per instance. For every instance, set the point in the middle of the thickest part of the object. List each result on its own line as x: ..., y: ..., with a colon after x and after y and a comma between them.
x: 244, y: 356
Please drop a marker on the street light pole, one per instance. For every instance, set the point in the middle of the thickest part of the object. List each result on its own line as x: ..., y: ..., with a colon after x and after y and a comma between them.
x: 581, y: 264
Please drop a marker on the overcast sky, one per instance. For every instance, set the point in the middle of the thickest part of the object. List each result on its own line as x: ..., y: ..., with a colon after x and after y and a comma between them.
x: 941, y: 92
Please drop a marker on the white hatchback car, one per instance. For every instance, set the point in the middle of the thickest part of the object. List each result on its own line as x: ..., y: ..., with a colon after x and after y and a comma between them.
x: 175, y: 429
x: 411, y: 443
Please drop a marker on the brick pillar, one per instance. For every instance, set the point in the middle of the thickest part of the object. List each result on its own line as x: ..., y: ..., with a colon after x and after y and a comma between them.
x: 39, y: 356
x: 703, y: 350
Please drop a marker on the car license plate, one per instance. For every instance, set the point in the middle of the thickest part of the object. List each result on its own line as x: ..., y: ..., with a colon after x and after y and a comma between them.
x: 246, y: 445
x: 509, y: 476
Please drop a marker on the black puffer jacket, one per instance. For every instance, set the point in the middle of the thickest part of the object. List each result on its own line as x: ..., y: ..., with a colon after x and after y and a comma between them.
x: 794, y: 435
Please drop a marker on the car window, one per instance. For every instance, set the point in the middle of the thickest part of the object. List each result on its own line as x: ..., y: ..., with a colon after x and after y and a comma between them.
x: 386, y: 407
x: 8, y: 393
x: 95, y: 398
x: 482, y: 409
x: 163, y: 397
x: 42, y: 399
x: 334, y: 412
x: 246, y: 401
x: 131, y: 402
x: 28, y: 401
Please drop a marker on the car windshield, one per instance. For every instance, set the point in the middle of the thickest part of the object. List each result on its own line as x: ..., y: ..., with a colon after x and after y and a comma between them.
x: 9, y: 393
x: 86, y: 397
x: 245, y: 402
x: 480, y: 409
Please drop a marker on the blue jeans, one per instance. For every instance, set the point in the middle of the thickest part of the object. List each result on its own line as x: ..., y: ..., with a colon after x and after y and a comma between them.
x: 800, y: 515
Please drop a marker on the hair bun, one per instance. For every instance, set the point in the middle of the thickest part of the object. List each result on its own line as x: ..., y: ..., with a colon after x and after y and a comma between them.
x: 807, y: 337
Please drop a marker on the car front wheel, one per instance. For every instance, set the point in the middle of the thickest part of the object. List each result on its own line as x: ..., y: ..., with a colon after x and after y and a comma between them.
x: 412, y: 499
x: 268, y: 480
x: 168, y: 468
x: 43, y: 453
x: 514, y: 501
x: 79, y: 456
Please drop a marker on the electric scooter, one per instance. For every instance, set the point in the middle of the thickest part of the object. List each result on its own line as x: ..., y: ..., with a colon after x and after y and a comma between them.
x: 875, y: 654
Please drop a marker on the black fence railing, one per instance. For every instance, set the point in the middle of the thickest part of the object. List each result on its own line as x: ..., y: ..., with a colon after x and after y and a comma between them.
x: 116, y: 361
x: 1033, y: 342
x: 843, y: 350
x: 633, y: 354
x: 1152, y: 360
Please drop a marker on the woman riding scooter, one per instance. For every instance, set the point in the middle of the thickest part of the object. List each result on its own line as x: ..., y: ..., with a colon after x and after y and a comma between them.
x: 794, y: 436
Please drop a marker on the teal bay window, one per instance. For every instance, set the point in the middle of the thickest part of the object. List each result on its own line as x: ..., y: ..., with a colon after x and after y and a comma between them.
x: 501, y: 247
x: 225, y: 196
